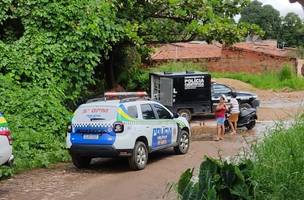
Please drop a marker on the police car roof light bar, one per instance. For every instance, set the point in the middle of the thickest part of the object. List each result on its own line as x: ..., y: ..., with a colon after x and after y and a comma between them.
x: 134, y: 99
x: 121, y: 94
x: 96, y: 99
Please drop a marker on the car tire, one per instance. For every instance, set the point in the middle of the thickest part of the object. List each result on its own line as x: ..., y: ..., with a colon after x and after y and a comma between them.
x: 245, y: 106
x: 81, y: 162
x: 251, y: 125
x: 186, y: 113
x: 139, y: 158
x: 183, y: 143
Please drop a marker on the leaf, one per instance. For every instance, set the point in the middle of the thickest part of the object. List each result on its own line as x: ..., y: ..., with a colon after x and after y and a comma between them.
x: 184, y: 180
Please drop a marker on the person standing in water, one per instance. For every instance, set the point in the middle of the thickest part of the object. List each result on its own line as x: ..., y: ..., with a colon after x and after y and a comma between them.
x: 220, y: 111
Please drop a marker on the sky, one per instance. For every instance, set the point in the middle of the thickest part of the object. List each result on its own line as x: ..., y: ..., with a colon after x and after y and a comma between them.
x: 284, y: 7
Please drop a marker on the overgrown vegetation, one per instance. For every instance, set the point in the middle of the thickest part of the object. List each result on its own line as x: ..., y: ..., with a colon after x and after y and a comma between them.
x: 274, y: 171
x: 47, y: 67
x: 37, y: 119
x: 278, y: 170
x: 217, y: 180
x: 285, y: 79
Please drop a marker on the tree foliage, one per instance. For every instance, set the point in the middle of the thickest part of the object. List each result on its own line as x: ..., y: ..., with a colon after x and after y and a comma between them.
x: 288, y: 30
x: 292, y: 31
x: 185, y: 20
x: 265, y: 17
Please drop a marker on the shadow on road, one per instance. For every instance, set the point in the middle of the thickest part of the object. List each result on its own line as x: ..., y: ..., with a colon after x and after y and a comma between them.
x: 119, y: 165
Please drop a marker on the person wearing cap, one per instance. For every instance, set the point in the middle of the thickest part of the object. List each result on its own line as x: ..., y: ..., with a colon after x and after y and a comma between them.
x: 220, y: 111
x: 235, y: 111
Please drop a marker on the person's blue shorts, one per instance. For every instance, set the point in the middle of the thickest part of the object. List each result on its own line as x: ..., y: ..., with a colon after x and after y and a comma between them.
x: 220, y: 120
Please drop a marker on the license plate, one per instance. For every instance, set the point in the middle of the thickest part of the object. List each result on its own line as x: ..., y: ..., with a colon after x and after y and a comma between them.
x: 90, y: 136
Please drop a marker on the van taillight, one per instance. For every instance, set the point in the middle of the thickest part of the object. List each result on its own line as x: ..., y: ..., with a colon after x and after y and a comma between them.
x: 7, y: 133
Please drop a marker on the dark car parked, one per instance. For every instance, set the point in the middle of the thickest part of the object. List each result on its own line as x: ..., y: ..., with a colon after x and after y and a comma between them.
x: 246, y: 99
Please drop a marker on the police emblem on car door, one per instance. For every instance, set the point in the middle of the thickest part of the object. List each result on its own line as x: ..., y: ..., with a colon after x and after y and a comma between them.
x: 164, y: 133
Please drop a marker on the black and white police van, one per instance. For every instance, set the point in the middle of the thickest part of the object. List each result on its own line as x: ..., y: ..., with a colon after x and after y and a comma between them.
x: 131, y: 127
x: 192, y: 93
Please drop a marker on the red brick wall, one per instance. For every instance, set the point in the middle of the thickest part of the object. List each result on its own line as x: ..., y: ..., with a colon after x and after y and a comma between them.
x: 239, y: 60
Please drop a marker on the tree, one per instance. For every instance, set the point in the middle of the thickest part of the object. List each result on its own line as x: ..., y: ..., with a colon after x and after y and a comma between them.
x: 265, y: 17
x: 159, y: 21
x: 292, y: 31
x: 184, y: 20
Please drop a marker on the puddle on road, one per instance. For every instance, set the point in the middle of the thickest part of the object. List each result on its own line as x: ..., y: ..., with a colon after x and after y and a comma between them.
x: 281, y: 104
x: 205, y: 130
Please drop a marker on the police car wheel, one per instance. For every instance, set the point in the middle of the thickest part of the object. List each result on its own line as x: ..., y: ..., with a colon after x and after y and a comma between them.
x: 185, y: 113
x: 81, y: 162
x: 183, y: 143
x: 139, y: 157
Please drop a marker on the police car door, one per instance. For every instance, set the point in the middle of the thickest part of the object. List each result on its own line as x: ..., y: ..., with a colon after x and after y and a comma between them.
x: 165, y: 132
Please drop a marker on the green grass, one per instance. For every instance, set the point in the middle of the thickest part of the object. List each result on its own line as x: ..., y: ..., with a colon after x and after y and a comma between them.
x: 279, y: 167
x: 273, y: 170
x: 284, y: 79
x: 265, y: 81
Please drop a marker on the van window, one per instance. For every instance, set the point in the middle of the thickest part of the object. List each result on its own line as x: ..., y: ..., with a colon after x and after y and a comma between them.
x: 132, y: 111
x: 147, y: 111
x: 162, y: 112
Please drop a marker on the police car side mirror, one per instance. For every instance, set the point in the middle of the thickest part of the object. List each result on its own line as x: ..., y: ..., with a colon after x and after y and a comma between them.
x: 175, y: 115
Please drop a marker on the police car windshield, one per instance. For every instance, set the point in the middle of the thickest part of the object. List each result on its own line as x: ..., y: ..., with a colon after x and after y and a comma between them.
x: 89, y: 113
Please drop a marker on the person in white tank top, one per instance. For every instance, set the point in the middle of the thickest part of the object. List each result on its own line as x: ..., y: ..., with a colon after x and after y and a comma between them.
x: 235, y: 111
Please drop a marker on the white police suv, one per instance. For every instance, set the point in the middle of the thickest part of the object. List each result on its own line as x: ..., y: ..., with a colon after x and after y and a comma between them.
x: 131, y: 127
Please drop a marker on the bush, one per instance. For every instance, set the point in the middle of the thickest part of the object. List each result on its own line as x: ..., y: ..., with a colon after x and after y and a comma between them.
x: 278, y: 169
x: 274, y: 171
x: 217, y: 180
x: 37, y: 118
x: 285, y: 73
x: 47, y: 61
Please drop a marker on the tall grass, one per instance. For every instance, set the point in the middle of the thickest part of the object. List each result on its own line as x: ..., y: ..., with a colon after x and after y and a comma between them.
x: 284, y: 79
x: 274, y: 170
x: 279, y: 167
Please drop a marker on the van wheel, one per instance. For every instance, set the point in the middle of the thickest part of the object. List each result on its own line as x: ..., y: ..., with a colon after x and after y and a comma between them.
x: 139, y: 157
x: 183, y: 143
x: 81, y: 162
x: 186, y: 113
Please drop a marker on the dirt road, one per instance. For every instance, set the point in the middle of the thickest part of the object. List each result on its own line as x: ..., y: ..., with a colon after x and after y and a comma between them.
x: 112, y: 179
